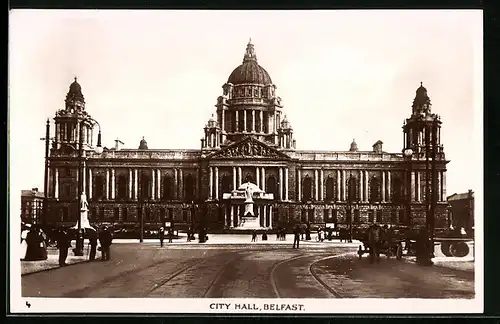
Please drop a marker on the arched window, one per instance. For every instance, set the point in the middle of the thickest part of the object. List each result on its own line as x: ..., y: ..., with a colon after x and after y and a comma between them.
x: 122, y: 187
x: 145, y: 186
x: 167, y: 187
x: 352, y: 192
x: 189, y: 187
x: 307, y: 188
x: 398, y: 191
x: 249, y: 178
x: 226, y: 184
x: 271, y: 186
x: 374, y: 189
x: 241, y: 121
x: 329, y: 188
x: 249, y: 120
x: 99, y: 187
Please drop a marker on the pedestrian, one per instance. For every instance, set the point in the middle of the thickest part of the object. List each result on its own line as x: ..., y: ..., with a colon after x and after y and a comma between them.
x: 161, y: 233
x: 296, y: 234
x: 189, y: 233
x: 278, y: 234
x: 170, y: 235
x: 105, y: 238
x: 93, y: 245
x: 264, y: 236
x: 254, y: 235
x: 63, y: 244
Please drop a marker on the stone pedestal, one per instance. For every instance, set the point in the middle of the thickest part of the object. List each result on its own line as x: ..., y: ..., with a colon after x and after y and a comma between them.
x: 249, y: 222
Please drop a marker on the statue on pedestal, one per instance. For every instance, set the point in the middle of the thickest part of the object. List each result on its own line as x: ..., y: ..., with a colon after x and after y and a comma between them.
x: 248, y: 201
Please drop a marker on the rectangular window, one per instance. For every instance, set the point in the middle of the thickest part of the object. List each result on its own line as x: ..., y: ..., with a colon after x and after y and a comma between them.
x: 170, y: 214
x: 334, y: 216
x: 401, y: 219
x: 394, y: 216
x: 356, y: 216
x: 93, y: 214
x: 326, y: 216
x: 102, y: 214
x: 125, y: 214
x: 379, y: 216
x: 311, y: 216
x: 303, y: 216
x: 65, y: 214
x: 185, y: 214
x: 370, y: 216
x: 116, y: 214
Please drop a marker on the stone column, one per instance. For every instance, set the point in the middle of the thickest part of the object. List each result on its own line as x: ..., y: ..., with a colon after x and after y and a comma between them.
x: 236, y: 126
x: 136, y: 183
x: 261, y: 130
x: 84, y: 177
x: 316, y: 185
x: 222, y: 120
x: 413, y: 186
x: 299, y: 185
x: 286, y: 184
x: 253, y: 120
x: 257, y: 176
x: 239, y: 177
x: 56, y: 183
x: 181, y: 184
x: 343, y: 186
x: 321, y: 185
x: 231, y: 225
x: 244, y: 120
x: 270, y: 217
x: 438, y: 184
x: 107, y: 184
x: 216, y: 183
x: 366, y: 186
x: 89, y: 193
x: 444, y: 185
x: 176, y: 184
x: 234, y: 178
x: 280, y: 183
x: 153, y: 184
x: 418, y: 185
x: 158, y: 184
x: 263, y: 175
x: 389, y: 196
x: 113, y: 184
x: 339, y: 188
x: 129, y: 183
x: 383, y: 186
x: 211, y: 183
x: 361, y: 187
x: 77, y: 132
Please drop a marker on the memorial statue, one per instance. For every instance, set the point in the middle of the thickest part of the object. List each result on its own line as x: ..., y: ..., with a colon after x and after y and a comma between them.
x: 248, y: 200
x: 84, y: 213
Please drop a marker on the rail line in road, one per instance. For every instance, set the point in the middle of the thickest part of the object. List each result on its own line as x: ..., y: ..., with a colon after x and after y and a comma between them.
x: 274, y: 284
x: 317, y: 277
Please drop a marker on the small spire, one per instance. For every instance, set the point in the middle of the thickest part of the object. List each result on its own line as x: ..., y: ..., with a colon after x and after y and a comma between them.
x: 250, y: 53
x: 250, y: 40
x: 75, y: 79
x: 421, y: 84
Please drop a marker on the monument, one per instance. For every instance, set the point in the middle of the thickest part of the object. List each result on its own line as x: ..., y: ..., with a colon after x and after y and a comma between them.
x: 84, y: 214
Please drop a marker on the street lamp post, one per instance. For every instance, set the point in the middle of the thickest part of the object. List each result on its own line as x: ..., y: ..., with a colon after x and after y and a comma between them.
x: 46, y: 174
x: 408, y: 154
x: 141, y: 237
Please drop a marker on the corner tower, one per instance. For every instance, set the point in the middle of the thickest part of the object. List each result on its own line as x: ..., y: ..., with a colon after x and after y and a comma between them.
x: 249, y: 105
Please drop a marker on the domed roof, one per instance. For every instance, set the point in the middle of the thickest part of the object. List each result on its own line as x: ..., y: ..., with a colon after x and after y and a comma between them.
x: 143, y: 145
x: 212, y: 122
x: 354, y: 146
x: 422, y: 102
x: 250, y: 71
x: 285, y: 124
x: 75, y: 92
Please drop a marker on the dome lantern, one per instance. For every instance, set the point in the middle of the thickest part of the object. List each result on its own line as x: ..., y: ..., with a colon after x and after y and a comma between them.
x: 354, y: 146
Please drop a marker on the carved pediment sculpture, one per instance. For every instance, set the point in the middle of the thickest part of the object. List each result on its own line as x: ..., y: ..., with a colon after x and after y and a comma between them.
x: 248, y: 149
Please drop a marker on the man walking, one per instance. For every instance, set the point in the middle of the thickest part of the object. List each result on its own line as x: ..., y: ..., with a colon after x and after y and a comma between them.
x: 161, y: 232
x: 93, y: 245
x: 63, y: 243
x: 105, y: 238
x: 296, y: 236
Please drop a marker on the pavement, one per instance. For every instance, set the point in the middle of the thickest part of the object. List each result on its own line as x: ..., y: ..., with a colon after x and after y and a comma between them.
x: 255, y: 271
x: 234, y: 241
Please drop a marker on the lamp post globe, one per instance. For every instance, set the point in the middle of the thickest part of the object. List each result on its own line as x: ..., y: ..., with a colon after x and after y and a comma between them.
x: 408, y: 152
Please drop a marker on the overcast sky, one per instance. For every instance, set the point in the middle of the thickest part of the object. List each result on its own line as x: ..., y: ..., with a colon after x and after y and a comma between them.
x: 157, y: 74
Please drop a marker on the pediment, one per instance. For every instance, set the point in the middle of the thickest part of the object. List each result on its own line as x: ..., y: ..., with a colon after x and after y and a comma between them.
x: 249, y: 148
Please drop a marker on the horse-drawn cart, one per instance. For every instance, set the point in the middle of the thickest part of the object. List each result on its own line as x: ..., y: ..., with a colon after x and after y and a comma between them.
x: 387, y: 242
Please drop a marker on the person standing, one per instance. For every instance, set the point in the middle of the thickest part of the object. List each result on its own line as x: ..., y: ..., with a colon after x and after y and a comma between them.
x: 170, y: 235
x: 63, y: 243
x: 161, y: 232
x: 105, y: 238
x: 296, y: 236
x: 254, y: 235
x: 93, y: 245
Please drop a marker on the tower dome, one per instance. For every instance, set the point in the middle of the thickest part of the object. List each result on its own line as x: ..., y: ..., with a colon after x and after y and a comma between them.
x: 354, y: 146
x: 250, y: 71
x: 143, y: 145
x: 422, y: 102
x: 75, y: 92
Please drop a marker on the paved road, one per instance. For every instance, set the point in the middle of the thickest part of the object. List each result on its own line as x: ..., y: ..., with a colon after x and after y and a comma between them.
x: 259, y: 271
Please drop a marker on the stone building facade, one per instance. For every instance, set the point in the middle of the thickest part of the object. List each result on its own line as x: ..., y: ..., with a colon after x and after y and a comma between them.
x: 31, y: 206
x: 248, y: 140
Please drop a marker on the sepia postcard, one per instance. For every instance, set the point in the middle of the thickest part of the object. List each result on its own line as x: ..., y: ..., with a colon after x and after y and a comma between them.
x: 246, y: 162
